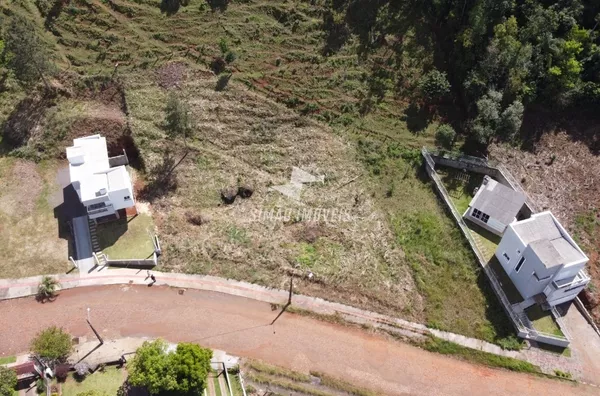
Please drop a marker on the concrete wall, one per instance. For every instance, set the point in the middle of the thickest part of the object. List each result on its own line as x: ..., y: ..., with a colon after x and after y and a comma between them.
x: 560, y: 296
x: 524, y: 280
x: 494, y: 226
x: 513, y: 246
x: 118, y: 161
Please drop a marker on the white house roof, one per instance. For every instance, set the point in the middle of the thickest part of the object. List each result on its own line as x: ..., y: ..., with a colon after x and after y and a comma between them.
x: 548, y: 240
x: 90, y: 171
x: 498, y: 201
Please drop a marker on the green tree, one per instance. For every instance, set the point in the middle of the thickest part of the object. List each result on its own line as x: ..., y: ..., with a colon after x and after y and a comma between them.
x: 434, y: 85
x: 182, y: 372
x: 511, y: 120
x: 486, y: 123
x: 178, y: 123
x: 152, y: 369
x: 191, y: 365
x: 52, y: 344
x: 8, y: 381
x: 48, y: 287
x: 445, y: 135
x: 29, y: 58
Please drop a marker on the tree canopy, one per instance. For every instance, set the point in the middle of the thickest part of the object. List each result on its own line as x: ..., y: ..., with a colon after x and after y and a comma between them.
x: 8, y: 381
x: 183, y: 371
x: 53, y: 343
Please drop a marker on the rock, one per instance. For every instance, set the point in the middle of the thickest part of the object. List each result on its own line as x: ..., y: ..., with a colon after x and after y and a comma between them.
x: 245, y: 191
x: 228, y: 195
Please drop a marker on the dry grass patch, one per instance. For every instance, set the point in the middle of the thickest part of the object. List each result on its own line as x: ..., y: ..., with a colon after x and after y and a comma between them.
x: 29, y: 233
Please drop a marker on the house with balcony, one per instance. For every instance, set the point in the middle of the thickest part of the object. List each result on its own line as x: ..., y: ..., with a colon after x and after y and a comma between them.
x: 542, y: 260
x: 103, y: 184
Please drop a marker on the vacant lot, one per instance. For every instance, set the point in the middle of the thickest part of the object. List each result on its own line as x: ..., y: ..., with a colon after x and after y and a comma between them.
x: 30, y: 240
x: 394, y: 249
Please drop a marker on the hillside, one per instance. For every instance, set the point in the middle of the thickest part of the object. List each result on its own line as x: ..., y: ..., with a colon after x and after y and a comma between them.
x: 290, y: 101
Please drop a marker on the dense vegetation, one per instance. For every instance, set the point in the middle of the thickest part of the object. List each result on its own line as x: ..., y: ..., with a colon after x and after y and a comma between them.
x: 499, y: 56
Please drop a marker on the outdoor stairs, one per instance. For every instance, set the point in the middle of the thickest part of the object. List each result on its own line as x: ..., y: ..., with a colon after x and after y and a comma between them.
x: 102, y: 259
x: 94, y: 236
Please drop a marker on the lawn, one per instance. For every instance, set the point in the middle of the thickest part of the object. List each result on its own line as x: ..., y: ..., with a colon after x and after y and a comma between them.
x: 107, y: 382
x: 127, y: 238
x: 236, y: 386
x: 7, y: 359
x: 543, y: 321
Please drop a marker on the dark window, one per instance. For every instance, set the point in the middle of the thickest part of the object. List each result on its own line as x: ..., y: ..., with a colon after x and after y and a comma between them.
x: 506, y: 256
x: 485, y: 218
x: 520, y: 264
x: 572, y: 288
x: 127, y: 198
x: 97, y: 206
x: 540, y: 279
x: 476, y: 213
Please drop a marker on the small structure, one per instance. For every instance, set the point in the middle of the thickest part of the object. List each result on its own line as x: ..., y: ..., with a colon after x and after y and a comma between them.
x: 494, y: 206
x: 543, y: 261
x: 102, y: 183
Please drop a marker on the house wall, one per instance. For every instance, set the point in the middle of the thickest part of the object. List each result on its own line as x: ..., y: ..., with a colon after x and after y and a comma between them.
x: 560, y: 296
x: 524, y: 280
x: 513, y: 246
x: 492, y: 225
x: 117, y: 198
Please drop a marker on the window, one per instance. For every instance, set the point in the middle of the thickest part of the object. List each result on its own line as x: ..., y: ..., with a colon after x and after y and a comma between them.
x: 96, y: 206
x: 127, y: 198
x: 485, y: 218
x: 540, y: 279
x: 506, y: 256
x: 520, y: 264
x: 476, y: 213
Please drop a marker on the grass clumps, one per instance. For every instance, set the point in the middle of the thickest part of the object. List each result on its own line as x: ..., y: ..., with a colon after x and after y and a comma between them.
x: 563, y: 374
x: 268, y: 369
x: 434, y: 344
x: 340, y: 385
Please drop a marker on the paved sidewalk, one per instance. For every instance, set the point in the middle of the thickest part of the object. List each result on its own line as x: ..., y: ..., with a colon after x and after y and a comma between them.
x: 14, y: 288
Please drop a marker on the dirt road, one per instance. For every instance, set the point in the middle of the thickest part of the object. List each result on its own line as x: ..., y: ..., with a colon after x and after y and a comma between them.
x: 242, y: 327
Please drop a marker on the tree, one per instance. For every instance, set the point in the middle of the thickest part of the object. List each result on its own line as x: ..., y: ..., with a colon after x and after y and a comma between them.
x: 191, y: 365
x: 8, y: 381
x: 181, y: 372
x: 434, y: 85
x: 178, y: 123
x: 445, y: 135
x: 29, y: 58
x: 48, y: 287
x: 511, y: 119
x: 151, y: 368
x: 52, y: 344
x: 488, y: 116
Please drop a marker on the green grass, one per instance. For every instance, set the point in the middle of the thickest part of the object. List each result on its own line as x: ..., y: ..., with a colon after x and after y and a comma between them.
x: 268, y: 369
x: 108, y: 381
x: 343, y: 386
x: 434, y: 344
x: 292, y: 386
x: 236, y: 386
x: 543, y: 321
x: 7, y: 359
x: 127, y: 238
x: 217, y: 385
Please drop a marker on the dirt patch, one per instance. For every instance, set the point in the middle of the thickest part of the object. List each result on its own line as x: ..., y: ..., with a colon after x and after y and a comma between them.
x: 171, y: 74
x: 21, y: 189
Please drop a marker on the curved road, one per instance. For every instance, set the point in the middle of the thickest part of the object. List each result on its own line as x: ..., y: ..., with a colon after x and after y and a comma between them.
x: 241, y: 327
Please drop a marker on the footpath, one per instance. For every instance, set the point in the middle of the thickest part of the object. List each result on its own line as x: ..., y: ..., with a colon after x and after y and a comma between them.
x: 547, y: 361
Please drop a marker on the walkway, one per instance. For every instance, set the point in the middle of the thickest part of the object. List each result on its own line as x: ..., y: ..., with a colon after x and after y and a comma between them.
x: 242, y: 327
x: 549, y: 362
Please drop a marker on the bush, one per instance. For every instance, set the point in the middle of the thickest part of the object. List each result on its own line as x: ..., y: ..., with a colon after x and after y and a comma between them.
x: 62, y: 371
x: 230, y: 57
x: 47, y: 287
x: 218, y: 65
x: 8, y: 381
x: 52, y: 343
x: 445, y: 135
x: 434, y: 85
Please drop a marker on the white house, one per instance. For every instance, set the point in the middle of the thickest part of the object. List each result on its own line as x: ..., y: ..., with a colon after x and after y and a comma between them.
x: 494, y: 206
x: 102, y: 189
x: 542, y: 260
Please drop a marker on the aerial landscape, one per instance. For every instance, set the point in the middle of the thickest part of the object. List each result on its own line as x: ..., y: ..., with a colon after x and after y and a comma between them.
x: 299, y: 197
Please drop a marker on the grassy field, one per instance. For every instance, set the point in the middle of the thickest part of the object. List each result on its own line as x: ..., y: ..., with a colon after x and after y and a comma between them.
x: 31, y: 242
x: 107, y: 382
x: 7, y: 359
x: 397, y: 252
x: 127, y: 238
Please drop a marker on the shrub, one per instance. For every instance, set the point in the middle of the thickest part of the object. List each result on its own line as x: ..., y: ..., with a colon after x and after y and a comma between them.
x: 47, y: 287
x: 434, y: 85
x: 8, y: 381
x: 62, y: 371
x: 218, y: 65
x: 53, y: 343
x: 563, y: 374
x: 445, y: 135
x: 82, y: 369
x: 230, y: 57
x: 223, y: 46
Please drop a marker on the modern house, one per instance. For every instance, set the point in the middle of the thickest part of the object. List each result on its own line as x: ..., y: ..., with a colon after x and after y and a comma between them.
x: 543, y: 261
x: 494, y: 206
x: 102, y: 183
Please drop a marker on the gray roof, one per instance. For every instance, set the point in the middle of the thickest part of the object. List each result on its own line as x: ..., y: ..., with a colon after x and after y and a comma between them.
x: 498, y: 201
x: 543, y: 235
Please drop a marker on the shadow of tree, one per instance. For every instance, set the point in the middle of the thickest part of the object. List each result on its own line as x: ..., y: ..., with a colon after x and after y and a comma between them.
x: 218, y: 5
x: 163, y: 179
x: 417, y: 117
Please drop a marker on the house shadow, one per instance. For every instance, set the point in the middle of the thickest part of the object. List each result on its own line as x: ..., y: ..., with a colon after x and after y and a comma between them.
x: 110, y: 230
x: 70, y: 208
